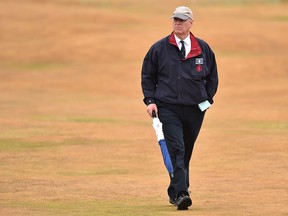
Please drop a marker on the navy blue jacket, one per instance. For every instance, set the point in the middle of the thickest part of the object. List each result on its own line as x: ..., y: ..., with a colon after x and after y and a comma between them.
x: 169, y: 78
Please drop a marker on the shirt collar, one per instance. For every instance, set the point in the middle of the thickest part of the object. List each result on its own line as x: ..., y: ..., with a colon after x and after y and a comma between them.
x: 187, y: 40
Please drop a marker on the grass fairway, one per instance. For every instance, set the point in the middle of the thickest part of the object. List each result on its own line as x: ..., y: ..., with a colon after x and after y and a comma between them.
x: 75, y: 138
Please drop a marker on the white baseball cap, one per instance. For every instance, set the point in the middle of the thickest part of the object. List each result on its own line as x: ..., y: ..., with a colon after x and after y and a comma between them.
x: 183, y: 13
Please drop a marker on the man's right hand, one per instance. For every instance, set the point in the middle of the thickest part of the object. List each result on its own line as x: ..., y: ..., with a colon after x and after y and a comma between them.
x: 150, y: 109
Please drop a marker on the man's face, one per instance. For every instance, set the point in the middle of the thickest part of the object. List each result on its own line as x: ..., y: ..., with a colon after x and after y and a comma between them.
x: 182, y: 27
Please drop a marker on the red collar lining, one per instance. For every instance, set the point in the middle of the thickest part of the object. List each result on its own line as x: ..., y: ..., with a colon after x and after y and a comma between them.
x: 195, y: 47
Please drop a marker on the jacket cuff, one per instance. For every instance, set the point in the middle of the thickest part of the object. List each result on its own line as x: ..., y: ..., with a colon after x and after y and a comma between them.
x: 148, y: 101
x: 211, y: 101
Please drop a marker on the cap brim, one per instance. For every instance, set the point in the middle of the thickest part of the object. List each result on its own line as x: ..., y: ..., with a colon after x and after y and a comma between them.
x: 180, y: 16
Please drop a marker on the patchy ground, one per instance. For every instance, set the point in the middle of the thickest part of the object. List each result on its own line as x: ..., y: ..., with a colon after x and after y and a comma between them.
x: 75, y: 137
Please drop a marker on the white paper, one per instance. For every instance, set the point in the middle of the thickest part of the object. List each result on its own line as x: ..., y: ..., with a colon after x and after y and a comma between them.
x: 204, y: 105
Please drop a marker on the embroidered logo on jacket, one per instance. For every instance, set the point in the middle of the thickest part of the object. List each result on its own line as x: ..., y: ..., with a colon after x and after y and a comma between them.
x: 199, y: 63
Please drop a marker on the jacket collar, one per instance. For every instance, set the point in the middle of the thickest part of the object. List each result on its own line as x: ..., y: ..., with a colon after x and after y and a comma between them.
x: 195, y: 47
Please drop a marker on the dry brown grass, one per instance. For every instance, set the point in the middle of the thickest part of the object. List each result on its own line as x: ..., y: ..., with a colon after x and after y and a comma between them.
x: 75, y: 137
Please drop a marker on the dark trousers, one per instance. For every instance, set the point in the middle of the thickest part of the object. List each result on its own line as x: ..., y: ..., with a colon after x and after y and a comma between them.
x: 181, y: 126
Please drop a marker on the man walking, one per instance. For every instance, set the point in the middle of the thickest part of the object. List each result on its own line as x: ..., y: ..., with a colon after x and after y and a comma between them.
x: 179, y: 81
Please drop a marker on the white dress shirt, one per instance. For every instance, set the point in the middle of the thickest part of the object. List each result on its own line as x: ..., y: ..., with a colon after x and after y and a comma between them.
x: 187, y: 43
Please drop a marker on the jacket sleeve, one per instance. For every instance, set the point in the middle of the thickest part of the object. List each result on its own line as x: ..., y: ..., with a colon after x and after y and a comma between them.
x: 149, y: 76
x: 212, y: 78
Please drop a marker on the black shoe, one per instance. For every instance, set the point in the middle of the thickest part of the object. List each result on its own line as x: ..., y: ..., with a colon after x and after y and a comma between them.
x: 172, y: 201
x: 183, y: 202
